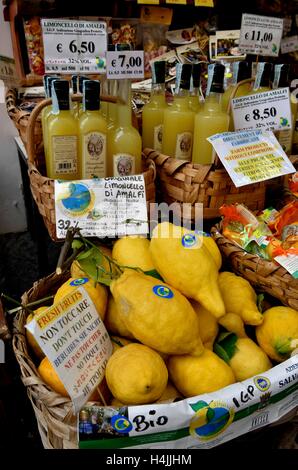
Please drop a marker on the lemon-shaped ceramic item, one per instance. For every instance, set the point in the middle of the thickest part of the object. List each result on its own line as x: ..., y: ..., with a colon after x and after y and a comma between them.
x: 136, y: 375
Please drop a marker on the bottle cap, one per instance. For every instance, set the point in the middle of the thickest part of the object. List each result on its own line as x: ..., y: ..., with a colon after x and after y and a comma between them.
x: 74, y: 84
x: 81, y: 80
x: 215, y: 82
x: 60, y: 92
x: 158, y: 69
x: 281, y: 76
x: 183, y: 74
x: 196, y: 75
x: 50, y: 86
x: 241, y: 71
x: 91, y: 95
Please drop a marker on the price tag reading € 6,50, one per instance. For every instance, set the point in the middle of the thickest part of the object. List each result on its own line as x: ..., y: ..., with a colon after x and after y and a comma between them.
x: 270, y: 111
x: 125, y: 64
x: 72, y: 46
x: 260, y: 35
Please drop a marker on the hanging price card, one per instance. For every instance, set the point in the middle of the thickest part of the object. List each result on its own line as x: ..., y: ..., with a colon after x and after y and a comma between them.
x: 270, y: 110
x: 72, y: 46
x: 289, y: 44
x: 125, y: 64
x: 251, y: 156
x: 260, y: 35
x: 204, y: 3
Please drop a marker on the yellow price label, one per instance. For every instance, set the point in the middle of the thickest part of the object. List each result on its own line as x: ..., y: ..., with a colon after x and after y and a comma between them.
x: 177, y: 2
x: 204, y: 3
x: 148, y: 2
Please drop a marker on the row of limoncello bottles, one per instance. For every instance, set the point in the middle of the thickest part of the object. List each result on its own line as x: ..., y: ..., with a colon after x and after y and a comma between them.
x: 81, y: 141
x: 181, y: 129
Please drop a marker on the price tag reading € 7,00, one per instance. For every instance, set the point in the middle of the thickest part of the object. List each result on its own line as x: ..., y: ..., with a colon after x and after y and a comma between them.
x: 72, y: 46
x: 125, y: 64
x: 260, y: 35
x: 270, y: 111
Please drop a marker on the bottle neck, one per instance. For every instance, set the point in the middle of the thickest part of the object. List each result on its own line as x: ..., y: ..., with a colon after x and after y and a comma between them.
x: 195, y: 91
x: 213, y: 100
x: 124, y: 115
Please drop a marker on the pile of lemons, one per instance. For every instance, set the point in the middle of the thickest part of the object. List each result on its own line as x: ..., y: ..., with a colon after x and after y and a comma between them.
x: 164, y: 332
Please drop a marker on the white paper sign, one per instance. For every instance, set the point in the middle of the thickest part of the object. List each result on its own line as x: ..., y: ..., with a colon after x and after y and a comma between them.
x: 72, y: 46
x: 260, y: 35
x: 106, y: 207
x: 125, y: 64
x: 270, y: 110
x: 289, y: 44
x: 251, y: 156
x: 74, y: 338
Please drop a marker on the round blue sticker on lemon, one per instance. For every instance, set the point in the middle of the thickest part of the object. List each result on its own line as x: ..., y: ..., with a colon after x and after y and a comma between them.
x: 163, y: 292
x: 79, y: 282
x: 189, y: 240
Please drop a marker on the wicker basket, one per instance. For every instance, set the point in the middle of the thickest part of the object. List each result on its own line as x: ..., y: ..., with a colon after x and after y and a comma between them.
x: 42, y: 187
x: 266, y: 276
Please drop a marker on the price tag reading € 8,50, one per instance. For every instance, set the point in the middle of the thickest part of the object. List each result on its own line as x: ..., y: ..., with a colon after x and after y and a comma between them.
x: 270, y: 111
x: 260, y: 35
x: 72, y: 46
x: 125, y: 64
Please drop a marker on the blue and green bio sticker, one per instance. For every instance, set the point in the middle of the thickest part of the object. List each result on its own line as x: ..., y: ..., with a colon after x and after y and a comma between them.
x: 121, y: 424
x: 163, y: 292
x: 79, y: 282
x: 189, y: 240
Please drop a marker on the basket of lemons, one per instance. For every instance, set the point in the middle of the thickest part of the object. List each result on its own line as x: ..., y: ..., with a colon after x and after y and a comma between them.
x: 192, y: 354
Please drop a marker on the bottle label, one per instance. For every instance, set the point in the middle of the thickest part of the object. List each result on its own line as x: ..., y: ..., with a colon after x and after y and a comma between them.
x: 123, y: 164
x: 183, y: 146
x: 94, y: 155
x: 65, y: 154
x: 157, y: 136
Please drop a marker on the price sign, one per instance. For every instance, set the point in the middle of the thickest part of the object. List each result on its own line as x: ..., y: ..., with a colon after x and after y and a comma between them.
x: 289, y: 44
x: 125, y: 64
x: 72, y: 46
x: 260, y: 35
x: 270, y: 110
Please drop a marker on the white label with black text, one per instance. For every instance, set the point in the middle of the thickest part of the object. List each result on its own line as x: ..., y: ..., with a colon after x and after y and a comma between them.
x: 125, y: 64
x: 260, y: 35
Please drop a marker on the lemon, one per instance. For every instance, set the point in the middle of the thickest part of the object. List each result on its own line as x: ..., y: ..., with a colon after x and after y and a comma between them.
x: 118, y: 342
x: 212, y: 247
x: 133, y: 251
x: 116, y: 403
x: 157, y: 314
x: 278, y: 334
x: 76, y: 270
x: 97, y: 293
x: 240, y: 298
x: 170, y: 394
x: 233, y: 323
x: 30, y: 338
x: 248, y: 360
x: 196, y: 375
x: 114, y: 322
x: 208, y: 325
x: 136, y: 375
x: 185, y: 263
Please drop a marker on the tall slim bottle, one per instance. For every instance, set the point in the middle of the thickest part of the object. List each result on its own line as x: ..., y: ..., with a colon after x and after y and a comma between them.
x: 92, y: 134
x: 281, y: 80
x: 179, y: 119
x: 125, y: 142
x: 153, y: 112
x: 211, y: 119
x: 241, y: 71
x: 62, y: 157
x: 195, y: 102
x: 262, y: 80
x: 46, y: 112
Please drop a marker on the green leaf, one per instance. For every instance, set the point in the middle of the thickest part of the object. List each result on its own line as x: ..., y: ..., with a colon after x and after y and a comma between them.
x: 199, y: 405
x: 260, y: 300
x: 153, y: 273
x: 77, y: 244
x: 227, y: 342
x: 221, y: 352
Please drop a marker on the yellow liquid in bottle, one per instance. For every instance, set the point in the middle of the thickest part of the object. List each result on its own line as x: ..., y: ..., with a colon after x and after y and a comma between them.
x: 243, y: 90
x: 92, y: 145
x: 178, y: 129
x: 152, y: 119
x: 124, y: 146
x: 211, y: 120
x: 62, y: 155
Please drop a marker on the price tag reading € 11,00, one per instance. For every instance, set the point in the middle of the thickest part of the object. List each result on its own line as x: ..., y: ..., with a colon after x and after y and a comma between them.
x: 125, y: 64
x: 260, y: 35
x: 72, y: 46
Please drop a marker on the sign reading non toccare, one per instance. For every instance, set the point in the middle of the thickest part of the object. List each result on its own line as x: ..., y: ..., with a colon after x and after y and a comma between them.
x: 270, y: 111
x: 125, y: 64
x: 75, y: 340
x: 72, y: 46
x: 251, y: 156
x: 106, y: 207
x: 260, y: 35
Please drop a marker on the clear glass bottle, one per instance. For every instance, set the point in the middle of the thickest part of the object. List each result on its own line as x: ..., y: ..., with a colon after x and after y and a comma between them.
x: 262, y: 80
x: 153, y: 112
x: 195, y: 102
x: 179, y: 119
x: 62, y: 156
x: 124, y: 141
x: 211, y: 119
x: 92, y: 134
